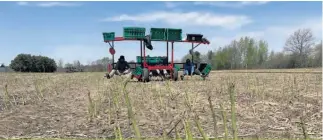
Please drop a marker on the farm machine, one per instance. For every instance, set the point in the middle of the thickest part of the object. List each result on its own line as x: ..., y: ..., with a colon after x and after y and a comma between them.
x: 153, y: 66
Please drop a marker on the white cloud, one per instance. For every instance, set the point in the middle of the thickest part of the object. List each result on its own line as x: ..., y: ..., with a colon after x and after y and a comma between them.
x: 188, y: 19
x: 53, y: 4
x: 49, y: 4
x: 232, y: 4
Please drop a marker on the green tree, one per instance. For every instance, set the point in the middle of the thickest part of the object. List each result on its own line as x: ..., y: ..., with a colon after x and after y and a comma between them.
x: 22, y: 63
x: 251, y: 50
x: 262, y: 52
x: 29, y: 63
x: 209, y: 56
x: 196, y: 57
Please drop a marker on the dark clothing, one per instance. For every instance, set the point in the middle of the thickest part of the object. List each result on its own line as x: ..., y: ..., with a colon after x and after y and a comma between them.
x: 188, y: 68
x: 122, y: 66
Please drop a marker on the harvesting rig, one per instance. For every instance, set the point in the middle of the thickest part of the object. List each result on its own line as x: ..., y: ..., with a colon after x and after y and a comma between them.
x: 147, y: 66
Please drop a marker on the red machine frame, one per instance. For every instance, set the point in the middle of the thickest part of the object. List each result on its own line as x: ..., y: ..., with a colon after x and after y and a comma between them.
x: 170, y: 66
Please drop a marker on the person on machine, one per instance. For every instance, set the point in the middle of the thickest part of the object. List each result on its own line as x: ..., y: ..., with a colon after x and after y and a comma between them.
x: 122, y: 68
x: 188, y: 68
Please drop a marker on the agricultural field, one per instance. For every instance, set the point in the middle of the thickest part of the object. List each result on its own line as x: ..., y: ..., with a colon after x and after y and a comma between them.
x: 267, y: 104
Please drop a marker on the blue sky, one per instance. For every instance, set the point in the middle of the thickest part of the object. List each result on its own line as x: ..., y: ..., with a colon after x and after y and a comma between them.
x: 73, y: 30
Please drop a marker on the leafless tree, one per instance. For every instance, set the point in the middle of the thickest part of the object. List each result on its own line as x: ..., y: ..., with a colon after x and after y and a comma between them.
x: 60, y: 63
x: 299, y: 44
x: 77, y: 64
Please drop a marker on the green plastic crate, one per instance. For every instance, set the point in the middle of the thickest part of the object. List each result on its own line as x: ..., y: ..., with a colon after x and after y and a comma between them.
x: 158, y: 33
x: 149, y: 59
x: 134, y: 32
x: 173, y: 34
x: 152, y: 60
x: 177, y: 67
x: 207, y: 69
x: 108, y: 36
x: 137, y: 71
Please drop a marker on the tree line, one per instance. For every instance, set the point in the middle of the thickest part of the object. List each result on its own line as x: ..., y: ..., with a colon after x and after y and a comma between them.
x: 247, y: 53
x: 31, y: 63
x: 94, y: 66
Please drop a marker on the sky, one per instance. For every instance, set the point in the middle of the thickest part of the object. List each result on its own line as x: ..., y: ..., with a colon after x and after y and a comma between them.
x: 73, y: 30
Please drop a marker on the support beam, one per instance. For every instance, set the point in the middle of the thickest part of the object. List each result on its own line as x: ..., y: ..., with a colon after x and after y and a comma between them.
x: 112, y: 55
x: 171, y: 76
x: 144, y: 55
x: 192, y: 53
x: 196, y: 46
x: 173, y: 54
x: 167, y: 52
x: 141, y: 54
x: 111, y: 45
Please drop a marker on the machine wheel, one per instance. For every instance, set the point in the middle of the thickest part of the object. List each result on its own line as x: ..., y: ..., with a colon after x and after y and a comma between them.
x: 175, y: 74
x: 145, y: 75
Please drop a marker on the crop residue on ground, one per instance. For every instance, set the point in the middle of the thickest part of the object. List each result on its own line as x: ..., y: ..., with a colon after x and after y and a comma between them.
x: 268, y: 105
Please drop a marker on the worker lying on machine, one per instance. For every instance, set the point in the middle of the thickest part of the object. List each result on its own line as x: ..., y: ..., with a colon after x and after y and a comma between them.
x: 122, y: 68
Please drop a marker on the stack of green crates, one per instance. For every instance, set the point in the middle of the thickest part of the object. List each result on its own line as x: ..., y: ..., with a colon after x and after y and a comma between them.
x: 134, y: 32
x: 166, y: 34
x: 173, y: 34
x: 108, y: 36
x: 158, y: 33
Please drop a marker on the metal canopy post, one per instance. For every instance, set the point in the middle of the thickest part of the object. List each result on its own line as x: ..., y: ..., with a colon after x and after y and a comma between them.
x: 173, y: 54
x: 141, y: 54
x: 144, y: 55
x: 192, y: 53
x: 112, y: 46
x: 113, y: 55
x: 196, y: 45
x: 172, y: 63
x: 167, y: 52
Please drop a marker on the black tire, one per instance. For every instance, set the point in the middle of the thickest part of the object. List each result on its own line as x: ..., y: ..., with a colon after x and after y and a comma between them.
x: 175, y: 74
x: 145, y: 75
